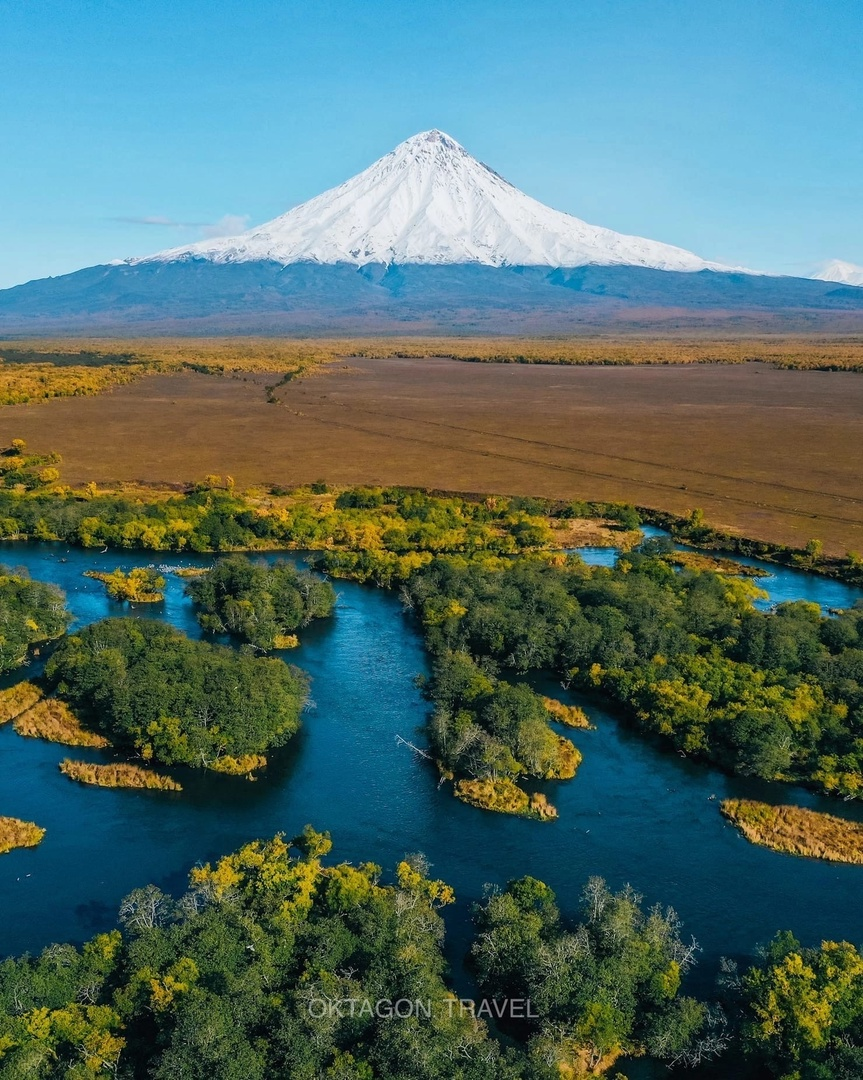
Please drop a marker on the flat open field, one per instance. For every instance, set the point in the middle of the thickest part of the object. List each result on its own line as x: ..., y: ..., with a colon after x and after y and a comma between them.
x: 774, y: 454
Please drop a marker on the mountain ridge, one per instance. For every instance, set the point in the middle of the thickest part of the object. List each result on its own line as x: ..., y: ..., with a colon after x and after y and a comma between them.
x: 844, y: 273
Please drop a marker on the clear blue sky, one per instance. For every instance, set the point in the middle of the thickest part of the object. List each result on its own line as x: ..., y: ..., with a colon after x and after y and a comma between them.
x: 730, y: 127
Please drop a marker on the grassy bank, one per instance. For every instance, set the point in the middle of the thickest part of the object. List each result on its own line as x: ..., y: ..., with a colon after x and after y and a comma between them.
x: 53, y: 720
x: 571, y: 715
x: 117, y: 776
x: 505, y: 797
x: 797, y: 831
x: 18, y: 699
x: 18, y: 834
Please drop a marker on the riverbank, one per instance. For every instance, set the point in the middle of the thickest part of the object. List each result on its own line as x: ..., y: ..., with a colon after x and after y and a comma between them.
x: 53, y: 720
x: 794, y: 830
x: 117, y: 776
x: 18, y: 834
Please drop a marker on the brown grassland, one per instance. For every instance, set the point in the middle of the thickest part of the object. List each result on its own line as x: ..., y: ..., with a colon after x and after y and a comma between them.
x: 797, y: 831
x: 53, y: 720
x: 765, y: 451
x: 120, y: 775
x: 17, y: 834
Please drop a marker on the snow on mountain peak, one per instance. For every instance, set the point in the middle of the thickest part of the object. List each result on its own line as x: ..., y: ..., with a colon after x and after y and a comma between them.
x: 429, y: 201
x: 845, y: 273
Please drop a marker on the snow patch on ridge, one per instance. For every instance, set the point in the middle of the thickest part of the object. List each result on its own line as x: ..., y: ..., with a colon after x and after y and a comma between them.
x: 845, y: 273
x: 428, y: 201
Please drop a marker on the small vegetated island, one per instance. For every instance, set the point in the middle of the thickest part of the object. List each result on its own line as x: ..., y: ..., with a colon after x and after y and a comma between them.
x: 15, y: 833
x: 153, y: 691
x: 795, y: 830
x: 684, y: 654
x: 486, y: 733
x: 141, y: 585
x: 263, y: 605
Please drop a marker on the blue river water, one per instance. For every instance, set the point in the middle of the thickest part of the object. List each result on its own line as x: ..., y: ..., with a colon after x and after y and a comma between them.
x: 634, y: 813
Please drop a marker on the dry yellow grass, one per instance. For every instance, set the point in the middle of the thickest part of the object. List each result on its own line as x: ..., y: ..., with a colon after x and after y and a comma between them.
x: 568, y: 760
x: 670, y: 436
x: 114, y: 776
x: 796, y: 831
x: 693, y: 560
x: 26, y: 383
x: 239, y: 354
x: 245, y: 765
x: 593, y: 532
x: 53, y: 720
x: 505, y: 797
x: 571, y: 715
x: 18, y: 834
x: 17, y: 699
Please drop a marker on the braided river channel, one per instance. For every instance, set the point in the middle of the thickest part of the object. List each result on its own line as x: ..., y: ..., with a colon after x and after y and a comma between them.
x: 634, y: 813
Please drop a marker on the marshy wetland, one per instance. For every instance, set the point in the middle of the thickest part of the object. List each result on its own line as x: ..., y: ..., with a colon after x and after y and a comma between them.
x: 633, y: 813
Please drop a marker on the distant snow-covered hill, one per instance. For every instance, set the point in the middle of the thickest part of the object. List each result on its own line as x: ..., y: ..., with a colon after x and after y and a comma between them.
x: 845, y: 273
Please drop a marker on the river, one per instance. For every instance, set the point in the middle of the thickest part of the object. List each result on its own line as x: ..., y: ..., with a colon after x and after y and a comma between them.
x: 634, y: 813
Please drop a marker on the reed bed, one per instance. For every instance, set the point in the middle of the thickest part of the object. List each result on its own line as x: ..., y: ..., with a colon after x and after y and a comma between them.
x: 505, y: 797
x: 18, y: 834
x: 118, y: 776
x: 17, y: 699
x: 797, y: 831
x: 53, y: 720
x: 571, y: 715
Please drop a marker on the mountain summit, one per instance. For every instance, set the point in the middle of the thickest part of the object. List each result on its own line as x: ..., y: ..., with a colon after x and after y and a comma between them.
x: 429, y: 201
x: 845, y: 273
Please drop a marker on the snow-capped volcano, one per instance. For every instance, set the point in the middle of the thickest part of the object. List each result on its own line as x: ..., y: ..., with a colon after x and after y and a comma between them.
x: 845, y: 273
x: 425, y: 239
x: 428, y: 201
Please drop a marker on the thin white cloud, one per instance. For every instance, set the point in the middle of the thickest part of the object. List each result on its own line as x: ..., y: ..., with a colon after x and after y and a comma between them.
x: 164, y: 222
x: 227, y: 225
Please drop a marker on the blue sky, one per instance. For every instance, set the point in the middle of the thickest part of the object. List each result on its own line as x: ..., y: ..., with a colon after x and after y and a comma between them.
x: 731, y: 128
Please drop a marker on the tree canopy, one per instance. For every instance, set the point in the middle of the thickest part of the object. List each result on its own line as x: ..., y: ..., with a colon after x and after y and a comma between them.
x: 776, y: 694
x: 803, y: 1010
x: 148, y: 687
x: 30, y: 612
x: 600, y: 987
x: 259, y: 603
x: 271, y: 965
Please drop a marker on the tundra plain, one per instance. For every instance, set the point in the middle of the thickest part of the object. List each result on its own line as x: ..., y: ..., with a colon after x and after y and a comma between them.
x: 767, y: 451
